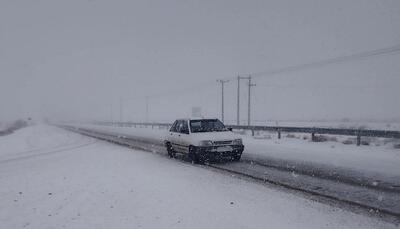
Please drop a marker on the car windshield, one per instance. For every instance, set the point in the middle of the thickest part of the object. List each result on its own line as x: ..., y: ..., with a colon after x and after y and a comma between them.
x: 206, y: 125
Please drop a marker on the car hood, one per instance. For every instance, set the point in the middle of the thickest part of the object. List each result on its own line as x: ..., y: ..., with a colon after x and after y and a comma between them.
x: 214, y: 136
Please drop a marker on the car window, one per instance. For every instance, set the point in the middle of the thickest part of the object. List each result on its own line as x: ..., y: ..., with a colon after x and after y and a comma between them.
x: 173, y: 127
x: 207, y: 125
x: 178, y: 126
x: 184, y: 128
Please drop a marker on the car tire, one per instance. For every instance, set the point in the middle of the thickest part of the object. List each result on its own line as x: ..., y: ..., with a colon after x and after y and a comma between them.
x: 193, y: 157
x: 170, y: 151
x: 237, y: 157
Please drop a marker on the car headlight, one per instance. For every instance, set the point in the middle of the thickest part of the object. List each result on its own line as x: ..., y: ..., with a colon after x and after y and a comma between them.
x: 206, y: 143
x: 237, y: 142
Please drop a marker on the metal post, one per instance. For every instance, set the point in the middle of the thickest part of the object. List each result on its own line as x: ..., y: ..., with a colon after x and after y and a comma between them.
x: 222, y: 97
x: 222, y: 102
x: 238, y: 101
x: 358, y: 137
x: 249, y: 101
x: 238, y: 98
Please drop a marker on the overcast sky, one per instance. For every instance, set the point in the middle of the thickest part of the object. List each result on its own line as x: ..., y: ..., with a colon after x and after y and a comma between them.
x: 76, y: 59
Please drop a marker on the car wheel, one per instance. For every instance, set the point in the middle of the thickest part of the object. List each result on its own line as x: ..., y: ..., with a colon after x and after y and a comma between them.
x: 237, y: 157
x: 170, y: 151
x: 193, y: 157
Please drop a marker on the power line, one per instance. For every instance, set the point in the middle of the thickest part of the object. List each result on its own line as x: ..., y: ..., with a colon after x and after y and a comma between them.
x: 377, y: 52
x: 324, y: 86
x: 341, y: 59
x: 395, y: 49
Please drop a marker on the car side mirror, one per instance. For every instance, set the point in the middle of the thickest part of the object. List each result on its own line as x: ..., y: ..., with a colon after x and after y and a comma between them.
x: 230, y: 128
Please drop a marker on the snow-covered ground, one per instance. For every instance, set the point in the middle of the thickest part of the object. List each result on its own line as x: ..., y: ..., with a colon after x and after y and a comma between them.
x: 30, y: 141
x: 382, y: 159
x: 346, y: 124
x: 94, y: 184
x: 350, y: 124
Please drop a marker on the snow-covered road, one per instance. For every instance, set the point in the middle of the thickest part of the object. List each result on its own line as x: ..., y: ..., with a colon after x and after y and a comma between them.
x: 52, y: 178
x: 372, y: 166
x: 335, y: 154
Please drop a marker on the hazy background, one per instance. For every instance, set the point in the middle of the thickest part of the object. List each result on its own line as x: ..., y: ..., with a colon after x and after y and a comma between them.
x: 76, y: 59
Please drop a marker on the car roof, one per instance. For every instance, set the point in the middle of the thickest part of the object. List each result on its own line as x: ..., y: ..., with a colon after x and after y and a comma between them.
x: 195, y: 119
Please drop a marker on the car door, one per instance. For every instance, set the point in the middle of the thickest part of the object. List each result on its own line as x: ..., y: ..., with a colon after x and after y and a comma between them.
x: 172, y: 132
x: 184, y: 137
x: 176, y: 137
x: 180, y: 142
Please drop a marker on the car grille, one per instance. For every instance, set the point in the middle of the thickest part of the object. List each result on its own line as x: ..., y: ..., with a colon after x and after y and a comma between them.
x: 223, y: 143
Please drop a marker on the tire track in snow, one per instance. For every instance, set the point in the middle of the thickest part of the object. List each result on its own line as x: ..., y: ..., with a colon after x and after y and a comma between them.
x: 47, y: 153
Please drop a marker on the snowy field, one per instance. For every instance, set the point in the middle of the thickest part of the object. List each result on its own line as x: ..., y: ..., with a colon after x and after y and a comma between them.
x: 52, y: 178
x: 381, y: 159
x: 350, y: 124
x: 344, y: 123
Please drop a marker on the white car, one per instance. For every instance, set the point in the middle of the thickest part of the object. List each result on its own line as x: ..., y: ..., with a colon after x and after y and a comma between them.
x: 203, y: 139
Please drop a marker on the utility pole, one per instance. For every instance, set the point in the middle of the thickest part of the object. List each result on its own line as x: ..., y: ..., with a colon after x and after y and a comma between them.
x: 238, y: 101
x: 249, y: 101
x: 147, y: 109
x: 238, y: 97
x: 222, y: 97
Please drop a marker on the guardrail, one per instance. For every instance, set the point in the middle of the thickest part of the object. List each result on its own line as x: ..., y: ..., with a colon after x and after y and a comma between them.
x: 279, y: 129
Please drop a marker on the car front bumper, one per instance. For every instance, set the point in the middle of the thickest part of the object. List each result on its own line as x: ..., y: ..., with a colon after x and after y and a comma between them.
x: 220, y: 151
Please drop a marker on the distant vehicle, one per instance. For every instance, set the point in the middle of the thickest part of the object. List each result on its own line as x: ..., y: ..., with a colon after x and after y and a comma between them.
x: 203, y: 139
